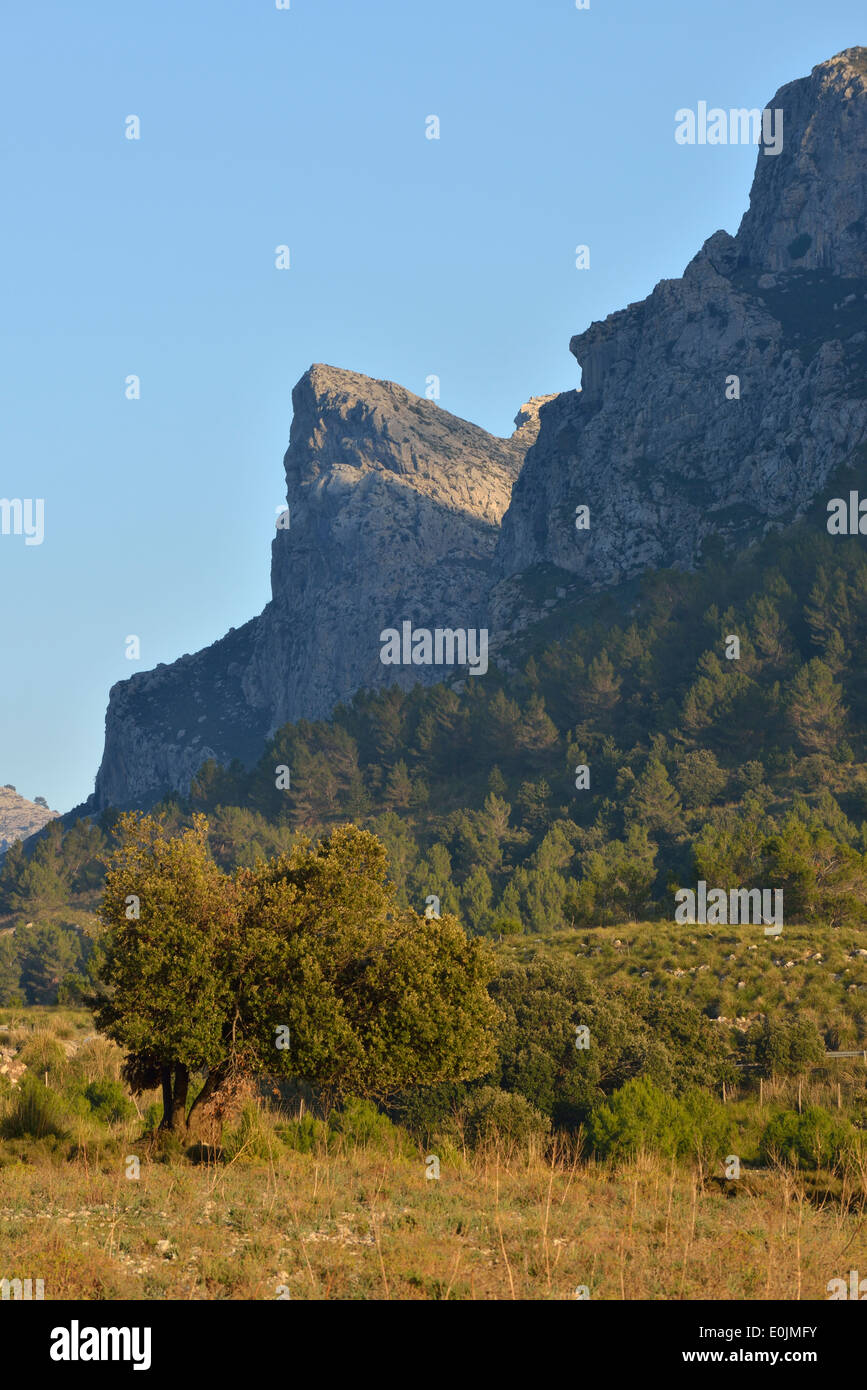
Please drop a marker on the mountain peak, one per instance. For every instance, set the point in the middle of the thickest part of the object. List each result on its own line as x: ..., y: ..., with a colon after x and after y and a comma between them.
x: 347, y: 427
x: 393, y: 510
x: 807, y: 202
x: 20, y: 817
x: 850, y: 60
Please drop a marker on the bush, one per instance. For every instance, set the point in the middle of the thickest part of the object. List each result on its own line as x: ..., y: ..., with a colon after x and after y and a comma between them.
x: 631, y: 1033
x: 253, y: 1137
x: 304, y: 1135
x: 152, y: 1117
x: 168, y: 1147
x: 699, y: 778
x: 108, y: 1101
x: 506, y: 926
x: 815, y: 1139
x: 429, y: 1110
x: 492, y: 1115
x: 641, y: 1117
x: 42, y: 1053
x: 34, y: 1113
x: 360, y: 1122
x: 784, y: 1048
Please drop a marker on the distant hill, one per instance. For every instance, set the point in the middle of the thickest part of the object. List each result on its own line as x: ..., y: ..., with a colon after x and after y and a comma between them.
x: 20, y: 817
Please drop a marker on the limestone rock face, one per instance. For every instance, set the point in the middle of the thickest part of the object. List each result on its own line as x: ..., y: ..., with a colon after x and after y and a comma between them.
x: 394, y: 508
x: 808, y: 204
x: 719, y: 406
x: 20, y: 817
x: 161, y: 725
x: 661, y: 443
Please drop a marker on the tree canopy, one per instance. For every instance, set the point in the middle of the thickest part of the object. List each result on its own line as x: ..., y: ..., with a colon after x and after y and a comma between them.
x: 304, y: 965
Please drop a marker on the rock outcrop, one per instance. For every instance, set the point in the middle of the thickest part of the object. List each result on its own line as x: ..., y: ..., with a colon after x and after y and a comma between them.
x: 808, y: 204
x: 721, y: 405
x: 394, y: 510
x: 662, y: 443
x: 20, y: 817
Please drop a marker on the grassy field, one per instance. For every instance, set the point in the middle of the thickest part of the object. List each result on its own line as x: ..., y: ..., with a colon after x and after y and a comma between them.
x: 359, y: 1222
x: 294, y: 1208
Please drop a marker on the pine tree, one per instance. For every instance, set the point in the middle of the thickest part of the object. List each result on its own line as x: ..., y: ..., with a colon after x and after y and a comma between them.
x: 654, y: 803
x: 815, y: 708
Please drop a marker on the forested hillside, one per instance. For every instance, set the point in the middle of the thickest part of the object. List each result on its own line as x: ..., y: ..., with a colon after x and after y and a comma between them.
x: 750, y: 771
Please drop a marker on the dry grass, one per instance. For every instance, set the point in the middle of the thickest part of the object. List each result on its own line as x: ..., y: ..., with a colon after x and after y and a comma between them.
x: 360, y: 1220
x: 360, y: 1224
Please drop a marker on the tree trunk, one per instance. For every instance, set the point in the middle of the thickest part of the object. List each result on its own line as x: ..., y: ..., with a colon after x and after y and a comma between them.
x: 213, y: 1081
x: 179, y: 1098
x: 166, y: 1121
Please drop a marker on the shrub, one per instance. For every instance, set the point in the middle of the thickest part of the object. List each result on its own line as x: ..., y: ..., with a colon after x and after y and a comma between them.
x: 304, y: 1135
x: 42, y: 1053
x: 108, y: 1100
x: 152, y: 1116
x: 492, y: 1115
x: 632, y: 1033
x: 35, y: 1112
x: 428, y: 1110
x: 642, y: 1117
x: 360, y: 1122
x: 784, y: 1048
x: 253, y: 1137
x: 699, y: 778
x: 168, y: 1147
x: 815, y: 1139
x: 506, y: 926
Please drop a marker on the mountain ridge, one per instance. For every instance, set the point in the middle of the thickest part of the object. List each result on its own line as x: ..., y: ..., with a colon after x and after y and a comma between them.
x: 399, y: 511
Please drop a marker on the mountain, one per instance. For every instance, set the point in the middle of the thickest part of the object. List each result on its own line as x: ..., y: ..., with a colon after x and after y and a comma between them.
x: 653, y: 444
x: 20, y: 817
x: 718, y: 409
x: 394, y: 507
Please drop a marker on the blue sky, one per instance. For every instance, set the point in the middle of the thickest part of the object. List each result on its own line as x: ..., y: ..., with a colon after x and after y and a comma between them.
x: 409, y: 257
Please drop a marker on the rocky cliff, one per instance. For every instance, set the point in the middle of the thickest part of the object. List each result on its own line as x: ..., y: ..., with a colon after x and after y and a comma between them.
x: 721, y: 405
x: 394, y: 509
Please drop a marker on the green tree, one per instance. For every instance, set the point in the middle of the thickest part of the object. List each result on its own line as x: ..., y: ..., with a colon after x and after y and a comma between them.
x: 536, y: 731
x: 814, y: 1139
x: 309, y: 949
x: 616, y: 881
x: 476, y: 896
x: 641, y: 1117
x: 533, y: 804
x: 654, y: 803
x: 699, y: 778
x: 10, y: 970
x: 398, y: 787
x: 783, y: 1048
x: 47, y: 954
x: 544, y: 1005
x: 816, y: 712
